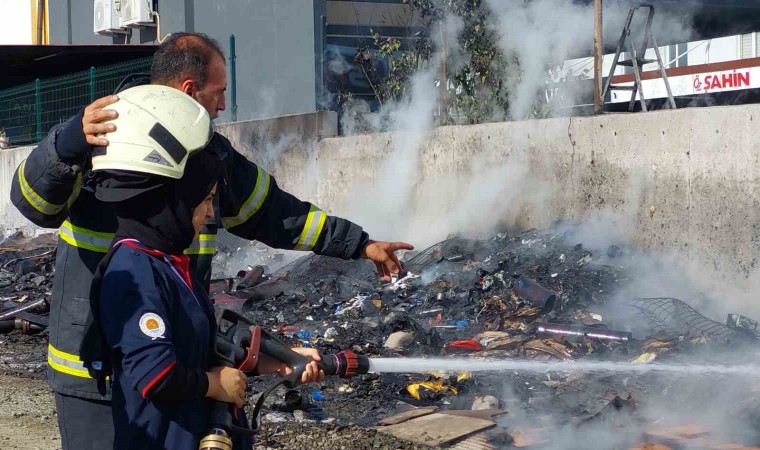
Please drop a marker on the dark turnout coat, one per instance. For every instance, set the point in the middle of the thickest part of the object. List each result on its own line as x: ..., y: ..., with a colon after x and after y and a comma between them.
x: 47, y: 189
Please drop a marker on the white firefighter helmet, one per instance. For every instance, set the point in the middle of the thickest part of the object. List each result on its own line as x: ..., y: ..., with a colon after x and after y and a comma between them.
x: 158, y: 128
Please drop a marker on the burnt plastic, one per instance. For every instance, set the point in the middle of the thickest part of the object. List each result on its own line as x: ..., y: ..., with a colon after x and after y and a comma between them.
x: 534, y: 293
x: 579, y: 332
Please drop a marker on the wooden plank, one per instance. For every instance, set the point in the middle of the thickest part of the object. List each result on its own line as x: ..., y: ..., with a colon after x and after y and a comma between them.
x: 408, y: 415
x: 485, y: 414
x: 437, y: 429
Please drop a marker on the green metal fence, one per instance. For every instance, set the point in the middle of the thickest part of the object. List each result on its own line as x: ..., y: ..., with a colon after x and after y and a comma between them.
x: 29, y: 111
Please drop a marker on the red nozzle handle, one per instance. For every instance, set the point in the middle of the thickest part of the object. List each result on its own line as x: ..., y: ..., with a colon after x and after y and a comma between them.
x: 345, y: 364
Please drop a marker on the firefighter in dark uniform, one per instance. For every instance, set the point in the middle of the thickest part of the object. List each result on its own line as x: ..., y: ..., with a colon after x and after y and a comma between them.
x: 47, y: 190
x: 152, y: 312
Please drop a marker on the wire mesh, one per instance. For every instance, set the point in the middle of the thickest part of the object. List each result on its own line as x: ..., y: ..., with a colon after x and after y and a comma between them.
x: 674, y: 317
x: 29, y: 111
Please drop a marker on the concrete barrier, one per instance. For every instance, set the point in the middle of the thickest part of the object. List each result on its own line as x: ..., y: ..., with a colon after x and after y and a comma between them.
x: 9, y: 161
x: 683, y: 183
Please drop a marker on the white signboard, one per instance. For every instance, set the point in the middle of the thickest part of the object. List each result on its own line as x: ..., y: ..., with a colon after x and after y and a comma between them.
x: 694, y: 84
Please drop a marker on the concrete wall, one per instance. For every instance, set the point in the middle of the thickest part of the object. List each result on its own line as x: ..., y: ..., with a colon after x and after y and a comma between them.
x: 682, y: 182
x: 279, y: 142
x: 275, y: 46
x: 9, y: 161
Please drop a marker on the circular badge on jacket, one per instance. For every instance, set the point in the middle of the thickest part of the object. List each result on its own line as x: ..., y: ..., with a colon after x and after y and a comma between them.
x: 152, y: 325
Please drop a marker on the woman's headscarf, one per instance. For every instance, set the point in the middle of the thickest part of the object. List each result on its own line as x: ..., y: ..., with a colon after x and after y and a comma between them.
x: 158, y: 211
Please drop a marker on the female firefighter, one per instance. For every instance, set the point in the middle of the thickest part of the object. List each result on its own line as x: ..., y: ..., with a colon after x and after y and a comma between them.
x: 156, y: 323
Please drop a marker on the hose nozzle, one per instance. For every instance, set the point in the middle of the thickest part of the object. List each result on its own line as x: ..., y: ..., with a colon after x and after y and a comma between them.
x: 344, y: 364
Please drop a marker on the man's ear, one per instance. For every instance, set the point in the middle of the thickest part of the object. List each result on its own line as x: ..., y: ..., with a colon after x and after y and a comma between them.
x: 187, y: 86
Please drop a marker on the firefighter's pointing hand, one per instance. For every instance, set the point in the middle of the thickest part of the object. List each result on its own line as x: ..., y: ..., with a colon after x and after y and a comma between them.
x: 383, y: 254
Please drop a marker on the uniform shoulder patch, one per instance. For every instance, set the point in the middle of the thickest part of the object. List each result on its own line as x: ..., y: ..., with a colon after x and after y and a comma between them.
x: 152, y: 325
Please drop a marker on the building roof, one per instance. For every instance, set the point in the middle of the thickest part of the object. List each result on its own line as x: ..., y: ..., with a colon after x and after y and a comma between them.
x: 708, y: 18
x: 25, y: 63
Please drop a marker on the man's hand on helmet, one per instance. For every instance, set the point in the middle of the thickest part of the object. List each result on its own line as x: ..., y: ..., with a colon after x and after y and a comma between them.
x: 94, y: 114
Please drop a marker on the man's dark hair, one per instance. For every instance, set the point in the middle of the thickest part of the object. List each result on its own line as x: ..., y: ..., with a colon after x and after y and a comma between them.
x: 184, y: 55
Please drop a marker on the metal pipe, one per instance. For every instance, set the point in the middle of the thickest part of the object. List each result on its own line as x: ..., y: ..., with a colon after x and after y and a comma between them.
x: 25, y: 307
x: 40, y: 19
x: 534, y: 293
x: 579, y: 332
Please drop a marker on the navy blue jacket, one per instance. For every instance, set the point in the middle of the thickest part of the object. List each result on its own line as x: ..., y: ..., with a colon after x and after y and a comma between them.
x: 153, y: 319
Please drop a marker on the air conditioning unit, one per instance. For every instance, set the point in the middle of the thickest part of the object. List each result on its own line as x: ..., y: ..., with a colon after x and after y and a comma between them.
x: 106, y: 19
x: 136, y: 13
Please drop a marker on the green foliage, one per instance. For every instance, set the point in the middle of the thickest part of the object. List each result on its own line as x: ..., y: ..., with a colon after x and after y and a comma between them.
x: 475, y: 69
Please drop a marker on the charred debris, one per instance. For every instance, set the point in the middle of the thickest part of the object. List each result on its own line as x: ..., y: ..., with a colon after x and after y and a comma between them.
x: 535, y: 294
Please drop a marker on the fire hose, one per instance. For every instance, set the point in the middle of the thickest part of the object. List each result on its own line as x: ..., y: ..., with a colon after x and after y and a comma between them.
x: 239, y: 342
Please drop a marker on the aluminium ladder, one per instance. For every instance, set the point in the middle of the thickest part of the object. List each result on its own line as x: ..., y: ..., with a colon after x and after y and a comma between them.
x: 637, y: 62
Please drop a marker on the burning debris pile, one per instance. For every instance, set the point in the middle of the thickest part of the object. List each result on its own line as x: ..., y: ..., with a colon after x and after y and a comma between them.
x: 26, y: 276
x: 530, y: 296
x: 535, y: 295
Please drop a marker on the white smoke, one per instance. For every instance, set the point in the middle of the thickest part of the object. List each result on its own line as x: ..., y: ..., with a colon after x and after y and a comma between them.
x: 542, y: 33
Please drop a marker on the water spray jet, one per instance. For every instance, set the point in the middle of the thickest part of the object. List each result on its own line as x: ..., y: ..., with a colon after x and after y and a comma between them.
x: 421, y: 365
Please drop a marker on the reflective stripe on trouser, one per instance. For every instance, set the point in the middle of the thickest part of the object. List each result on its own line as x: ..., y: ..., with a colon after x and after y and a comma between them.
x: 35, y: 199
x: 311, y: 229
x: 75, y: 236
x: 253, y: 203
x: 204, y: 245
x: 66, y: 363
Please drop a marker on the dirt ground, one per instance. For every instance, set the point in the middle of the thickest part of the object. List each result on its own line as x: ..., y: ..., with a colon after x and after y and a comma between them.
x: 27, y: 415
x: 28, y: 422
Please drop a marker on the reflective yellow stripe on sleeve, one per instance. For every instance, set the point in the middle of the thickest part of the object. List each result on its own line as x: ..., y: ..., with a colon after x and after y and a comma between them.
x: 34, y: 199
x: 75, y: 193
x: 66, y: 363
x: 253, y: 203
x: 204, y: 245
x: 315, y: 221
x: 79, y: 237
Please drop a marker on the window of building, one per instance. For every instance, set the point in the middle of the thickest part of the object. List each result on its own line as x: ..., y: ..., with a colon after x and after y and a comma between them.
x: 747, y: 45
x: 677, y: 56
